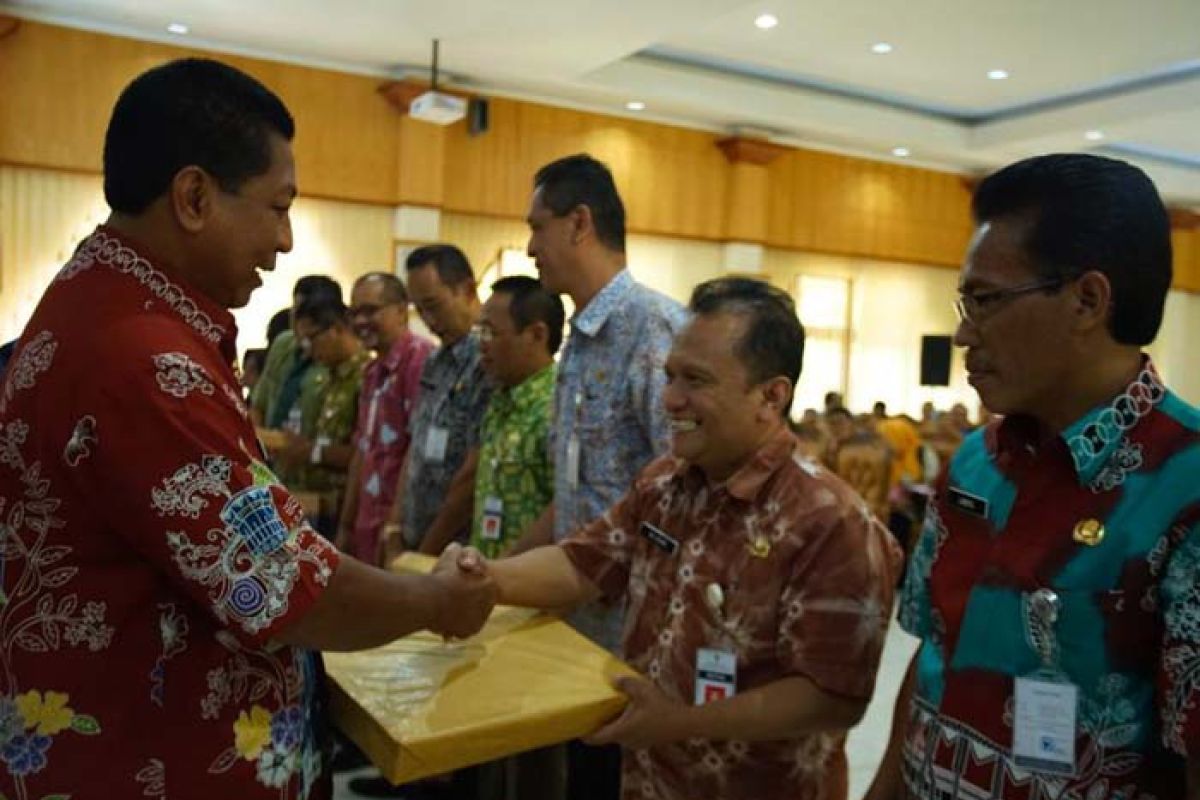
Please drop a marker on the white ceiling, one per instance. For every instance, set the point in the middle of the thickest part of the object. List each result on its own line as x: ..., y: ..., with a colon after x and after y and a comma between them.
x: 1129, y: 69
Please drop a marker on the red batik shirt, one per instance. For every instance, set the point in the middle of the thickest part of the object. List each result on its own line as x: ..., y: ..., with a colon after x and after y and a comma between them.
x: 807, y: 577
x: 389, y: 395
x: 149, y: 555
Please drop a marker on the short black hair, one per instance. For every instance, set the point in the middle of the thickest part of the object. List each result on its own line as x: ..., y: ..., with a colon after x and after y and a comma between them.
x: 254, y: 357
x: 772, y: 344
x: 312, y: 287
x: 1087, y: 212
x: 393, y: 288
x: 280, y: 321
x: 323, y: 311
x: 529, y: 302
x: 193, y: 111
x: 581, y: 180
x: 451, y: 263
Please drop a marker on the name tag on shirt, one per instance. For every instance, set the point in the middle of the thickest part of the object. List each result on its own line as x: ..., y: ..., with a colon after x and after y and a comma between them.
x: 493, y: 519
x: 969, y: 503
x: 1044, y: 725
x: 716, y: 675
x: 659, y: 538
x: 435, y: 444
x: 573, y: 462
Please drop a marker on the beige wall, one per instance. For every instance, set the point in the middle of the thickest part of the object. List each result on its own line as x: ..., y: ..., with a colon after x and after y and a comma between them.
x: 342, y: 240
x: 43, y: 215
x: 1174, y: 351
x: 891, y: 307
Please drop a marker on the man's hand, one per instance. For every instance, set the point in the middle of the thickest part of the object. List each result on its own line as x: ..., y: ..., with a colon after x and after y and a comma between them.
x: 390, y: 545
x: 650, y: 719
x: 467, y: 598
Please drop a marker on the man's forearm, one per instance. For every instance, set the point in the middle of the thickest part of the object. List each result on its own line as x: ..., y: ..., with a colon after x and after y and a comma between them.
x: 455, y: 514
x: 350, y: 501
x: 784, y: 709
x: 542, y: 578
x: 366, y: 607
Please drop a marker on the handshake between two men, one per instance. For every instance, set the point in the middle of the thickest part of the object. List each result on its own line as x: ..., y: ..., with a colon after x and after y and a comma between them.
x: 545, y: 578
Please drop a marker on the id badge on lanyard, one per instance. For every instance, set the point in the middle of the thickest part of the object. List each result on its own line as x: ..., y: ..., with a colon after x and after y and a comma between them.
x: 1045, y: 703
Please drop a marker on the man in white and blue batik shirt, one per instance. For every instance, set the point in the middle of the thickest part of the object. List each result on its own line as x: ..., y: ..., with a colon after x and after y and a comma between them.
x: 609, y: 419
x: 437, y: 485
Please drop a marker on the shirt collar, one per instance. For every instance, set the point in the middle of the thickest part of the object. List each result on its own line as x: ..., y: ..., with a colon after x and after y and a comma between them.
x: 748, y: 480
x: 529, y: 390
x: 1097, y: 435
x: 591, y: 318
x: 395, y: 353
x: 350, y: 365
x: 129, y: 257
x: 464, y: 349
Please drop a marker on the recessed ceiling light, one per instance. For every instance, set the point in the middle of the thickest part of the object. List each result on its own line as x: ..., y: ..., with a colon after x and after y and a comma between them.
x: 1094, y: 136
x: 900, y: 152
x: 881, y: 48
x: 636, y: 105
x: 178, y: 28
x: 998, y: 74
x: 766, y: 21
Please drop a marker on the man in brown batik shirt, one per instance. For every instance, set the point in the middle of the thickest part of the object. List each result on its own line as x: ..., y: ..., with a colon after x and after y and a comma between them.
x: 759, y: 586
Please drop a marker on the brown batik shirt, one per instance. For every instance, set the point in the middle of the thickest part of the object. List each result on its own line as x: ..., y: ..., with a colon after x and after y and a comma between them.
x: 807, y: 577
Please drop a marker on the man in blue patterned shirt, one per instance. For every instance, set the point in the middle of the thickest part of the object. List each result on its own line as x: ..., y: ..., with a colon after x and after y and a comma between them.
x: 433, y: 504
x: 609, y: 415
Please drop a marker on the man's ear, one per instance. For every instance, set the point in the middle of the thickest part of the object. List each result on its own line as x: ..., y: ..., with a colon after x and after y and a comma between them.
x: 191, y: 195
x: 1093, y: 300
x: 777, y: 394
x: 582, y: 223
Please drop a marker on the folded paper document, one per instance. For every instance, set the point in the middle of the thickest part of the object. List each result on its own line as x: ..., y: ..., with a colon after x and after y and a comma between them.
x: 421, y: 706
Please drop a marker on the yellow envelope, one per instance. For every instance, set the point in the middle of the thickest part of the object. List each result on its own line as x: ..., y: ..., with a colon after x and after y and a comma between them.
x: 420, y: 706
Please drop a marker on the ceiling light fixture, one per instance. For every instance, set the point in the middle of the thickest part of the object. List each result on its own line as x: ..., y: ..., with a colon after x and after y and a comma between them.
x: 998, y: 74
x: 900, y: 152
x: 766, y: 21
x: 636, y: 105
x: 1094, y: 136
x: 177, y: 28
x: 881, y: 48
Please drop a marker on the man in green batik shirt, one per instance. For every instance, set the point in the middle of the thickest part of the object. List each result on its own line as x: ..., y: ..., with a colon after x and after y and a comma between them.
x: 288, y: 371
x: 316, y: 459
x: 520, y: 331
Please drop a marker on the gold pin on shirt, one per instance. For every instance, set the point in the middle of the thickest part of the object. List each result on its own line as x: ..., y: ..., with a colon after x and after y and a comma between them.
x: 1089, y: 532
x: 760, y: 547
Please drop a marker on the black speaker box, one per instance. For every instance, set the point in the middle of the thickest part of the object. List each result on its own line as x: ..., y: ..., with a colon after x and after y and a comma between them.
x: 935, y: 360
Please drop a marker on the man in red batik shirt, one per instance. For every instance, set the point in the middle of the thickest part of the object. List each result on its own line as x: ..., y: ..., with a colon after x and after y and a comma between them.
x: 163, y: 595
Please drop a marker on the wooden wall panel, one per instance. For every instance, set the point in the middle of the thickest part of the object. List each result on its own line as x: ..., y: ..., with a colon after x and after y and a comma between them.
x: 671, y: 179
x: 59, y: 86
x: 837, y: 204
x: 1185, y: 242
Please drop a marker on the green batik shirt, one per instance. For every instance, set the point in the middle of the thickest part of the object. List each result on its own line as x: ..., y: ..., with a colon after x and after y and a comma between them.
x: 330, y: 411
x: 514, y: 463
x: 267, y: 395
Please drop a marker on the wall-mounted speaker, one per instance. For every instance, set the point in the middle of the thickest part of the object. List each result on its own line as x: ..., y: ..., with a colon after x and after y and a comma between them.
x: 477, y: 116
x: 935, y: 360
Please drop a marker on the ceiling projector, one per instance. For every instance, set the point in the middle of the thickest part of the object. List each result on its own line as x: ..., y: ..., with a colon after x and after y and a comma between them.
x: 438, y: 108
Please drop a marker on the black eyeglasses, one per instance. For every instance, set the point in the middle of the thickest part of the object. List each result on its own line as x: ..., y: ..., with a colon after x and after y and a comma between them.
x: 976, y: 307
